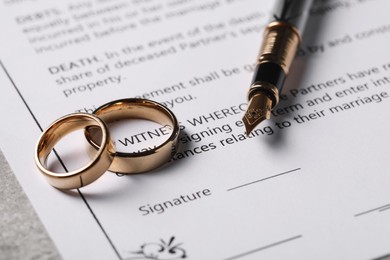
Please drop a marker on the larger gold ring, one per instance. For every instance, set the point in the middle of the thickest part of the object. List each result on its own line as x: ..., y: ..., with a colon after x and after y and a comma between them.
x: 134, y: 108
x: 90, y: 172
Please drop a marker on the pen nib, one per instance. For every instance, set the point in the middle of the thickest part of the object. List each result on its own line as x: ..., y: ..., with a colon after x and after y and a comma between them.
x: 259, y: 109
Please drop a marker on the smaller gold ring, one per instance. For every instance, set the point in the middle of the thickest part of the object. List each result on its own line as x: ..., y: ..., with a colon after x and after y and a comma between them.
x: 135, y: 108
x: 86, y: 174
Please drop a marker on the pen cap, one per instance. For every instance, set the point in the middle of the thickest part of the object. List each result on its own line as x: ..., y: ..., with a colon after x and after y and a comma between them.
x: 294, y: 12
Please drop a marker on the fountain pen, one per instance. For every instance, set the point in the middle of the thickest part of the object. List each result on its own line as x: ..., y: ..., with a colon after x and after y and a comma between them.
x: 282, y: 37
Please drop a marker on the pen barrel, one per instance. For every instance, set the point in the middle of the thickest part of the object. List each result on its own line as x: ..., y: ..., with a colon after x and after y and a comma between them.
x: 276, y: 55
x: 293, y: 12
x: 280, y: 45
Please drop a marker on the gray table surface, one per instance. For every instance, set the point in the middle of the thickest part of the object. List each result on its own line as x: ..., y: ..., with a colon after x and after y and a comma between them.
x: 22, y: 235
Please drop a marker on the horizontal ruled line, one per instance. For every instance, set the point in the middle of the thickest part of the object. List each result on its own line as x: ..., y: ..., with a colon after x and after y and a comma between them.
x: 383, y: 257
x: 383, y: 209
x: 264, y: 179
x: 263, y: 248
x: 380, y: 209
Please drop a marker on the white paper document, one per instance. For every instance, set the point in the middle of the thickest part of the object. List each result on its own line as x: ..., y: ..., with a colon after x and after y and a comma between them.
x: 313, y: 182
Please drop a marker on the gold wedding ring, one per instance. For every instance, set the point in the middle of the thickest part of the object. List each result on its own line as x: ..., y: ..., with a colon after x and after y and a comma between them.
x: 86, y: 174
x: 134, y: 108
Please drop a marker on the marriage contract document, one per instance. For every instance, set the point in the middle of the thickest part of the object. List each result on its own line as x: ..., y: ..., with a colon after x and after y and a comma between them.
x: 311, y: 183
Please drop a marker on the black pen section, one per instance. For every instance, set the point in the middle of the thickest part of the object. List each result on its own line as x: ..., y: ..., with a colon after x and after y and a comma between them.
x: 269, y: 72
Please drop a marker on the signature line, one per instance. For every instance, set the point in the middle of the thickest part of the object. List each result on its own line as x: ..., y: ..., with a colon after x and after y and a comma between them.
x: 263, y: 248
x: 267, y: 178
x: 381, y: 208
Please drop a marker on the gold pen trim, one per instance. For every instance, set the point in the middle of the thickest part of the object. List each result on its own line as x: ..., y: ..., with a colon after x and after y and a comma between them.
x: 281, y: 41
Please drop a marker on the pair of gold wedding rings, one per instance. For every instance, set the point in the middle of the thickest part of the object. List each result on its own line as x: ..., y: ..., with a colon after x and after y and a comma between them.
x: 98, y: 136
